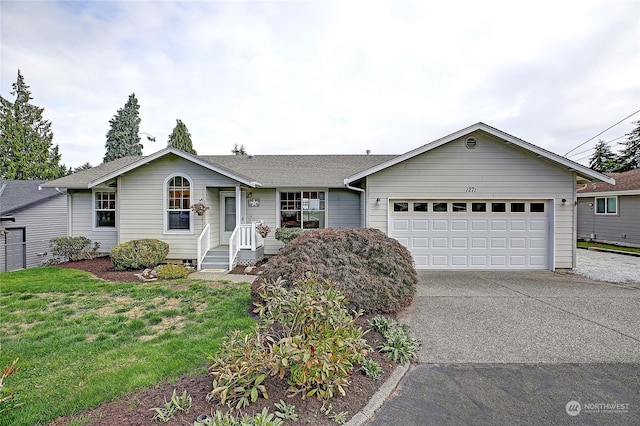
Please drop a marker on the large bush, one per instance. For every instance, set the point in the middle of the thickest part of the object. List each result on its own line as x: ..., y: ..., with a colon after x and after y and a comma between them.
x: 288, y: 234
x: 74, y: 248
x: 373, y: 271
x: 138, y: 254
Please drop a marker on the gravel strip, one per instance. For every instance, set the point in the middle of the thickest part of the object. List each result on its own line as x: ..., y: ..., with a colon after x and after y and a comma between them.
x: 611, y: 267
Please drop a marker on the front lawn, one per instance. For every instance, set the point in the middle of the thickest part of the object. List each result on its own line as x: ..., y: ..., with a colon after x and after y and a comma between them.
x: 83, y: 341
x: 586, y: 244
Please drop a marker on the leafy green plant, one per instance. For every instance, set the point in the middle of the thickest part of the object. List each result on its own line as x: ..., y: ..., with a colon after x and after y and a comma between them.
x: 137, y: 254
x: 313, y: 336
x: 374, y: 272
x: 288, y: 234
x: 371, y: 369
x: 286, y: 411
x: 171, y: 272
x: 398, y: 345
x: 175, y: 404
x: 219, y: 418
x: 340, y: 418
x: 238, y: 370
x: 74, y: 248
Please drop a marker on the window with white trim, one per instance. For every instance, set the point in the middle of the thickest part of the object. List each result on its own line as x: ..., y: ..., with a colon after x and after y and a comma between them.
x: 302, y: 209
x: 606, y: 205
x: 178, y: 203
x: 105, y: 209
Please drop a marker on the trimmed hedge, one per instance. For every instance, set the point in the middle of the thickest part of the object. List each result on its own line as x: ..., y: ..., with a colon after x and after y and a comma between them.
x: 138, y: 254
x: 373, y: 271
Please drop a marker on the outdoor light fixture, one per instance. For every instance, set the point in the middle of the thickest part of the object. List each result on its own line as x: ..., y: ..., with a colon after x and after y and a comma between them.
x: 377, y: 200
x: 564, y: 200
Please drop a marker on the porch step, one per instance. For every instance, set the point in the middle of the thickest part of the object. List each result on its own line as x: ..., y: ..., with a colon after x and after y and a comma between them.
x: 217, y: 258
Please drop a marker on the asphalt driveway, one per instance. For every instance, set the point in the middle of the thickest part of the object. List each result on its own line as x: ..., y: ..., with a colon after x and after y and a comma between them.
x: 520, y: 348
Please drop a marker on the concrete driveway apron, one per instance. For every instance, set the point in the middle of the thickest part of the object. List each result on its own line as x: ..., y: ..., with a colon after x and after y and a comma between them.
x: 520, y: 348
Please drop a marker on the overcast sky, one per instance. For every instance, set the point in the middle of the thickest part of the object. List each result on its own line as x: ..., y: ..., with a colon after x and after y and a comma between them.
x: 320, y: 77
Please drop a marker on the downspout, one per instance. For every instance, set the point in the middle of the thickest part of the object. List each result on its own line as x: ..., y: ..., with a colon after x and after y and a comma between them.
x: 363, y: 203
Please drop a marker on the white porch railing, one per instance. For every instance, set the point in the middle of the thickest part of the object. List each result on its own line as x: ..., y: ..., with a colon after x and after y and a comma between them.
x: 244, y: 237
x: 204, y: 241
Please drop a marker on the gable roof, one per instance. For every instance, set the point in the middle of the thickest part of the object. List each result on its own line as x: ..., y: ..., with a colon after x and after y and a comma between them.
x: 19, y: 194
x: 582, y: 171
x: 627, y: 183
x: 260, y: 170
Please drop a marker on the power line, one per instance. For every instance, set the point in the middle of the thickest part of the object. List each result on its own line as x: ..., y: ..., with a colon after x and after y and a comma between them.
x: 593, y: 147
x: 609, y: 128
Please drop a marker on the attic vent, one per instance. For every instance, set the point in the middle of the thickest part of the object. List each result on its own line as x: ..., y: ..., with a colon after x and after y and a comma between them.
x: 471, y: 143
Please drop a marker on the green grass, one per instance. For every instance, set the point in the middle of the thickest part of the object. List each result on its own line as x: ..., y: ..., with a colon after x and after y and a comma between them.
x: 82, y: 341
x: 585, y: 244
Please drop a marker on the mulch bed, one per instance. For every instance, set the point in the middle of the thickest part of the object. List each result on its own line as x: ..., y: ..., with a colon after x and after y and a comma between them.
x: 135, y: 408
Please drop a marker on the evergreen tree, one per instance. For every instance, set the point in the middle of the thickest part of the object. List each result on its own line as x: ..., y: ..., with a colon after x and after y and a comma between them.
x: 603, y: 159
x: 26, y: 139
x: 85, y: 166
x: 630, y: 154
x: 238, y: 151
x: 122, y: 138
x: 180, y: 138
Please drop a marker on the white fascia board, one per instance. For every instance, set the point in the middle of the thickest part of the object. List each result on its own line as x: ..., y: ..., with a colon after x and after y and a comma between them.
x: 542, y: 153
x: 163, y: 152
x: 603, y: 194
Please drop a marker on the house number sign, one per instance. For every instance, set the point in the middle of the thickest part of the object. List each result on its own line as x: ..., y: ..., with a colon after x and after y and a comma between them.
x: 471, y: 189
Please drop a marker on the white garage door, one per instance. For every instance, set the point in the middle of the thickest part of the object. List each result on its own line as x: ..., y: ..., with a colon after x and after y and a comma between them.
x: 492, y: 234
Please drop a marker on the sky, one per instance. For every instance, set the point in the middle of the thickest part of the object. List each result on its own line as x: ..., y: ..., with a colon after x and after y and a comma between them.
x: 327, y: 77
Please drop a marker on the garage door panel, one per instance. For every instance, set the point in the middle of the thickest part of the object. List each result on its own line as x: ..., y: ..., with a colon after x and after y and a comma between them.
x: 478, y: 240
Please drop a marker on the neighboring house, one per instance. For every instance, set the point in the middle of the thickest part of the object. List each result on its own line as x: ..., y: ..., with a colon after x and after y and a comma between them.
x: 29, y: 217
x: 477, y: 199
x: 611, y: 213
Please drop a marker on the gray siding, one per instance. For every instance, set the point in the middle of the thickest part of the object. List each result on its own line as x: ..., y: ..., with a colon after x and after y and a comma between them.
x: 344, y: 209
x: 492, y: 170
x: 42, y: 221
x: 623, y: 228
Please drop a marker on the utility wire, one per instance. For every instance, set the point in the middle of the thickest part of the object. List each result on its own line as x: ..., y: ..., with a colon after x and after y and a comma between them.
x: 592, y: 148
x: 609, y: 128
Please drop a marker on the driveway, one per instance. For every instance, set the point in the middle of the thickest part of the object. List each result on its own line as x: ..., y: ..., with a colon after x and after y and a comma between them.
x: 520, y: 348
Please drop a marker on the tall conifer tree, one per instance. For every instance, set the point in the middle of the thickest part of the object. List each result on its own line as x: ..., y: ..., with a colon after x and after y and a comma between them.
x: 603, y: 159
x: 180, y: 138
x: 122, y: 137
x: 630, y: 153
x: 26, y: 139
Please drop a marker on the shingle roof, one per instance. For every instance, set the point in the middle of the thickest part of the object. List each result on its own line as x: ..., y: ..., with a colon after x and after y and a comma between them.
x: 297, y: 170
x: 81, y: 180
x: 626, y: 181
x: 18, y: 194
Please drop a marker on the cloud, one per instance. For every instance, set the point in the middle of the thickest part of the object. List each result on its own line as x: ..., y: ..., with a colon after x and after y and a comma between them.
x: 325, y: 77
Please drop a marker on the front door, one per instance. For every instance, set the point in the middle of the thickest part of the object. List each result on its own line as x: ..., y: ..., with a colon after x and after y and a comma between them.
x: 228, y: 217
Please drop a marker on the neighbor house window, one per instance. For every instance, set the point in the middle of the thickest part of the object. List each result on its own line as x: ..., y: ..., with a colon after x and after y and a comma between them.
x: 105, y: 209
x: 178, y: 202
x: 607, y: 205
x: 302, y: 209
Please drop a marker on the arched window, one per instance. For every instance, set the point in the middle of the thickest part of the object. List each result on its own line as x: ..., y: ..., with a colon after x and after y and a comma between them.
x: 178, y: 202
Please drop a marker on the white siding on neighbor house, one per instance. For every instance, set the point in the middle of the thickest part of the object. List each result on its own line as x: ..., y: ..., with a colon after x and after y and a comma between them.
x: 82, y: 220
x: 141, y: 203
x: 493, y: 170
x: 42, y: 221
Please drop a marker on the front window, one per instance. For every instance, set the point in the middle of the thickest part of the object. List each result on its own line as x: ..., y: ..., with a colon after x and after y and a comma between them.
x: 105, y: 209
x: 178, y: 203
x: 607, y: 205
x: 304, y: 209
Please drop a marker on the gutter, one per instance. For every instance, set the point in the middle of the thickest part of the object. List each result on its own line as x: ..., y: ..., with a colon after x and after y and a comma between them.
x: 363, y: 203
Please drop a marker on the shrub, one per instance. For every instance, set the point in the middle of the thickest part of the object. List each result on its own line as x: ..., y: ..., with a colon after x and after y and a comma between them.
x: 373, y: 271
x: 74, y: 248
x: 138, y: 254
x: 398, y: 345
x: 371, y: 369
x: 288, y: 234
x: 305, y: 333
x: 171, y: 272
